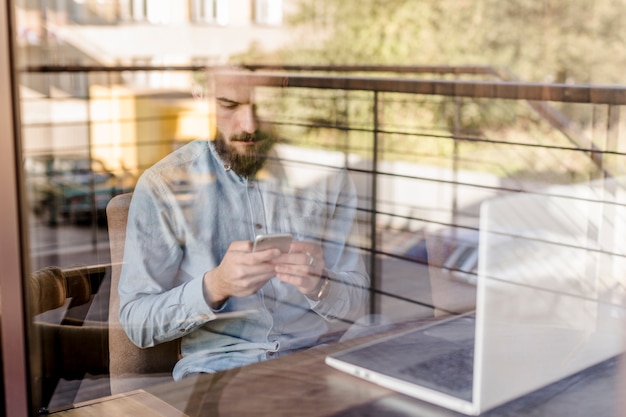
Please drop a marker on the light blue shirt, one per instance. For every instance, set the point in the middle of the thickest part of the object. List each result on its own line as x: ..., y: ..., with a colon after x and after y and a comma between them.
x: 185, y: 212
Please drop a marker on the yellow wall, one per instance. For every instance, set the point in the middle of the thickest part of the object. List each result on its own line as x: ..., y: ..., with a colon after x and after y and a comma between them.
x: 132, y: 130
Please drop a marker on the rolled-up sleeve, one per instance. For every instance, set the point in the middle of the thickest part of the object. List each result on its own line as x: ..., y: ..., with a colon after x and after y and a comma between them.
x: 157, y: 303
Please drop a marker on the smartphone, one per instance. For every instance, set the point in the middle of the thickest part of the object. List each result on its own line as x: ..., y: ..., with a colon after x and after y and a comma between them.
x: 281, y: 241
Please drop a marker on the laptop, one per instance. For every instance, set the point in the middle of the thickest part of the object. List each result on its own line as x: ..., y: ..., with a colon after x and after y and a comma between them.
x: 549, y: 296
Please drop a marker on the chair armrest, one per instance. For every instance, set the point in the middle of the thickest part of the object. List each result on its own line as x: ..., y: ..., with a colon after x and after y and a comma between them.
x: 75, y: 277
x: 72, y: 351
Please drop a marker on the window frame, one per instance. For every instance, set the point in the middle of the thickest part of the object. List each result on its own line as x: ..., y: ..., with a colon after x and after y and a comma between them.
x: 17, y: 395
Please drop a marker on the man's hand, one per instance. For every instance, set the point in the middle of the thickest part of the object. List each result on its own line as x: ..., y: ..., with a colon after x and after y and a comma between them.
x: 241, y: 273
x: 302, y: 266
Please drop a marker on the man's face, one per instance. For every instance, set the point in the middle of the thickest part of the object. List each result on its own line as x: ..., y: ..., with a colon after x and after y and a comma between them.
x: 240, y: 141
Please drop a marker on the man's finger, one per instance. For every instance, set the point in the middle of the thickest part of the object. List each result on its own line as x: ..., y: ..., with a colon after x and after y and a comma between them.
x: 304, y: 247
x: 241, y: 245
x: 263, y: 256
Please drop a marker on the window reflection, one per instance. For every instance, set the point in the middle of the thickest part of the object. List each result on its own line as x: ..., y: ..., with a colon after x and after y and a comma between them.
x: 420, y: 166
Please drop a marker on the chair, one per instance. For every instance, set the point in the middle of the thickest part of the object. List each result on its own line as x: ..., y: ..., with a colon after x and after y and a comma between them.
x: 71, y: 346
x: 131, y: 367
x: 51, y: 286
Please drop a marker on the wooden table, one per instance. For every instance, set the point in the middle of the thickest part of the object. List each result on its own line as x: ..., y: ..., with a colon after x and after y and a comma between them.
x: 302, y: 385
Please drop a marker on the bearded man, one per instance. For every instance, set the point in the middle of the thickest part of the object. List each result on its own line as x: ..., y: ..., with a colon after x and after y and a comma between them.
x: 189, y: 269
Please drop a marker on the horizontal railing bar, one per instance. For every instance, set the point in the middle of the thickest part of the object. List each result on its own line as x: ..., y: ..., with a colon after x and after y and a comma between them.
x: 405, y: 69
x: 614, y: 95
x: 109, y: 68
x: 453, y: 88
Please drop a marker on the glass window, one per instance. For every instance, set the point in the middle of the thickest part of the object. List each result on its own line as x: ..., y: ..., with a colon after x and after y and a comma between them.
x: 158, y: 11
x: 94, y: 11
x: 268, y: 12
x: 139, y: 10
x: 156, y: 158
x: 210, y: 11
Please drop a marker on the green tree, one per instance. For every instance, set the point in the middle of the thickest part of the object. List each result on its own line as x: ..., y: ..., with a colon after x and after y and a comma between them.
x: 563, y: 41
x: 577, y: 41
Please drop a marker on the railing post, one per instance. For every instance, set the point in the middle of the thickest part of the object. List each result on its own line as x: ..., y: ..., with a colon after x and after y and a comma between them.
x: 612, y: 138
x: 456, y: 132
x: 608, y: 231
x: 374, y: 264
x: 92, y: 184
x: 342, y: 123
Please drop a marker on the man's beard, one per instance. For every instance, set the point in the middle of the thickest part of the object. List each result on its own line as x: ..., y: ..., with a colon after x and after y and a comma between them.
x: 249, y: 162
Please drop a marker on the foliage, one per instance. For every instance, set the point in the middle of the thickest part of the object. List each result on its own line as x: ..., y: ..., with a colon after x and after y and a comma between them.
x: 577, y: 41
x: 562, y: 41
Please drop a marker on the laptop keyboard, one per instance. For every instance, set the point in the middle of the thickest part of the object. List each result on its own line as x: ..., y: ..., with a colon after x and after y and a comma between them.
x: 450, y: 372
x: 429, y: 357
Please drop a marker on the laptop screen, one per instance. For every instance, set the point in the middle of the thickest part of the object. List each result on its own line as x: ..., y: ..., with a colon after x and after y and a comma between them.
x: 550, y: 280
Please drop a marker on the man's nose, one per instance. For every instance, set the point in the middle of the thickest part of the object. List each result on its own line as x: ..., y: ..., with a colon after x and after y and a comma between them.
x: 247, y: 119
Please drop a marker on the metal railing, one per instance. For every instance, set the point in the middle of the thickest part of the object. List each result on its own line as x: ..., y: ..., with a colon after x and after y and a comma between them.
x: 375, y: 83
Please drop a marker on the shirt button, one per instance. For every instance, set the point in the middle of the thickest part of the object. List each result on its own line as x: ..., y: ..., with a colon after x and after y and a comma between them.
x: 227, y: 167
x: 270, y: 353
x: 258, y: 226
x: 251, y: 185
